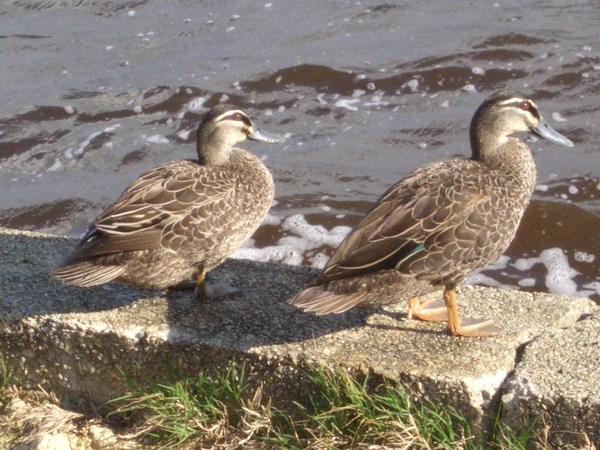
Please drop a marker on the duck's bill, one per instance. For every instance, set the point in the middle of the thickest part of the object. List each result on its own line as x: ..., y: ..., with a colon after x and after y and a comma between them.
x: 260, y: 135
x: 547, y: 132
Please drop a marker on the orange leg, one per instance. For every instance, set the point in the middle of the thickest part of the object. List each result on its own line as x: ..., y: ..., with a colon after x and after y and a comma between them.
x: 456, y: 327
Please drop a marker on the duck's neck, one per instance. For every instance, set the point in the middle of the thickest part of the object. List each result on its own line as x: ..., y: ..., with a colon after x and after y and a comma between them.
x: 485, y: 139
x: 492, y: 144
x: 214, y: 148
x: 506, y: 154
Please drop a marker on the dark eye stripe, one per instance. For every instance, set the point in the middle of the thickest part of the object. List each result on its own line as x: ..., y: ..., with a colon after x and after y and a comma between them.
x: 237, y: 116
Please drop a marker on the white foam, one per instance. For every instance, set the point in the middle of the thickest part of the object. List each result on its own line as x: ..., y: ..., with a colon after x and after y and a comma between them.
x: 557, y: 117
x: 594, y: 287
x: 584, y: 257
x: 196, y: 104
x: 347, y: 104
x: 526, y: 282
x: 69, y: 109
x: 559, y: 279
x: 479, y: 278
x: 299, y: 241
x: 112, y: 128
x: 81, y: 149
x: 158, y: 139
x: 57, y: 165
x: 184, y: 134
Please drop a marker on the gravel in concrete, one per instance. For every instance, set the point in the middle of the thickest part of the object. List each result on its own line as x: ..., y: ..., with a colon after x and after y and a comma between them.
x: 78, y: 342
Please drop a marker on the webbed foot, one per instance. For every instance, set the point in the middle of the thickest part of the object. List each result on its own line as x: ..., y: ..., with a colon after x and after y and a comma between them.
x: 430, y: 310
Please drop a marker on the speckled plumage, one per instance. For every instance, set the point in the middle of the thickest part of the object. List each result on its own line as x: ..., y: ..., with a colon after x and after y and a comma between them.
x: 183, y: 218
x: 442, y: 221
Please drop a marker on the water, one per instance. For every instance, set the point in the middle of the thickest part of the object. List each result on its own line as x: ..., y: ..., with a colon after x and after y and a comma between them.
x: 93, y: 93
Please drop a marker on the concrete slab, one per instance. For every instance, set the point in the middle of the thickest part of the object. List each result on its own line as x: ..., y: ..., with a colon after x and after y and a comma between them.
x: 76, y: 342
x: 557, y: 383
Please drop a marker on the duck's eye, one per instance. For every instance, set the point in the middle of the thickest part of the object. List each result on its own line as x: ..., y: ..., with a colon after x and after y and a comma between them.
x: 526, y: 106
x: 237, y: 116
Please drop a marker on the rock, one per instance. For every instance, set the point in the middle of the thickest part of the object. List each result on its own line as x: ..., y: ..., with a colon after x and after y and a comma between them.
x: 73, y: 341
x: 557, y: 383
x: 102, y: 437
x: 59, y: 441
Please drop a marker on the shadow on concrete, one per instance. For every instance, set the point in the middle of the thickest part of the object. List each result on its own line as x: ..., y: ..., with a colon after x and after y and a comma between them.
x: 255, y: 316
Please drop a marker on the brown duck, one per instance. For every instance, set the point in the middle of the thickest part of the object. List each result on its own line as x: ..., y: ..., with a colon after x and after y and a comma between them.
x: 182, y: 219
x: 441, y: 222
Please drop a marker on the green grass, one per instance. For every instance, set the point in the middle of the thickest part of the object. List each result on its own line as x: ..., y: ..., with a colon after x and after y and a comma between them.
x: 177, y: 412
x: 4, y: 378
x: 337, y: 411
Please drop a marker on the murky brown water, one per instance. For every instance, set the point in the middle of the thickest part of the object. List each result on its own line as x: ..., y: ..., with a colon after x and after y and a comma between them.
x: 95, y: 92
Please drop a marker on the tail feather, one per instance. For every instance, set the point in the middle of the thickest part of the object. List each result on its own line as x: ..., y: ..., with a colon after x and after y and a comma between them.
x: 383, y: 288
x: 320, y: 301
x: 86, y: 274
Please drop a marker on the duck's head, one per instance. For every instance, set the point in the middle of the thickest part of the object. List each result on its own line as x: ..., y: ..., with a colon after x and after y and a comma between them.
x: 504, y: 113
x: 223, y: 127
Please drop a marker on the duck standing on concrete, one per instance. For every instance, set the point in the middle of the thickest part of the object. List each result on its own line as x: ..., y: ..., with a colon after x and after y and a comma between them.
x: 441, y: 222
x: 182, y: 219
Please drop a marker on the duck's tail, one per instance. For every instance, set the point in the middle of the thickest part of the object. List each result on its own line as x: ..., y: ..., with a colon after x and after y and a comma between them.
x: 383, y: 288
x: 87, y: 274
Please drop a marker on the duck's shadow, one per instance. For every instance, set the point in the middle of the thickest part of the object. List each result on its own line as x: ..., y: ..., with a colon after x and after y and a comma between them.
x: 257, y: 315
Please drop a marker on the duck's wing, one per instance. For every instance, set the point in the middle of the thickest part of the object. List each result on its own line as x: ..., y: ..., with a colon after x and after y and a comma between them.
x: 154, y: 204
x: 430, y: 225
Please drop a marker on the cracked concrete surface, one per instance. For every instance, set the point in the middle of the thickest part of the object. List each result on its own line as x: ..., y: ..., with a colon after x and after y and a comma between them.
x: 76, y: 341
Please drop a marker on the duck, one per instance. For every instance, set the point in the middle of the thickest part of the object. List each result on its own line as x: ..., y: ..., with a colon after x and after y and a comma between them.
x: 178, y: 221
x: 441, y: 222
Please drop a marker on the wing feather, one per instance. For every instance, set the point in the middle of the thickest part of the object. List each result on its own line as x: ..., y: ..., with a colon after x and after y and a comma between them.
x: 425, y: 226
x: 160, y: 201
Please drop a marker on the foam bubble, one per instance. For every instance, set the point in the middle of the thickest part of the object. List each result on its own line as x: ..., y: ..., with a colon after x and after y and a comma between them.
x: 479, y: 278
x: 300, y: 241
x: 184, y: 134
x: 584, y: 257
x: 158, y: 139
x: 196, y: 104
x: 526, y: 282
x: 81, y: 149
x: 347, y: 104
x: 57, y: 165
x: 559, y: 279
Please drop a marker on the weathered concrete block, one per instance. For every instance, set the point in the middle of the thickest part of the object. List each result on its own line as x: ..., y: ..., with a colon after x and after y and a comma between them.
x: 557, y: 383
x: 77, y: 342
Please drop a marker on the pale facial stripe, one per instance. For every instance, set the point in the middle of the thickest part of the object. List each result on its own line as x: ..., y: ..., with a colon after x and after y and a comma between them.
x: 227, y: 115
x: 517, y: 101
